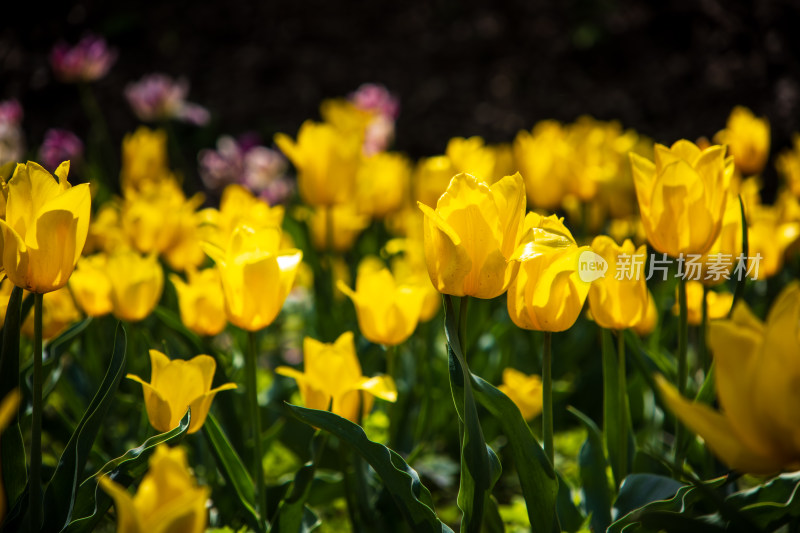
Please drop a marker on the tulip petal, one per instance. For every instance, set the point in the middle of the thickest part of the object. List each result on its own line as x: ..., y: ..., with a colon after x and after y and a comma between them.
x: 509, y: 197
x: 51, y: 251
x: 206, y: 365
x: 127, y: 516
x: 158, y: 408
x: 448, y: 263
x: 15, y: 256
x: 718, y: 433
x: 201, y: 405
x: 382, y: 387
x: 644, y: 172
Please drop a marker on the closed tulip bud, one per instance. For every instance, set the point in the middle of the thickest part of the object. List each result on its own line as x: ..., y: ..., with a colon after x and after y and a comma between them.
x: 332, y: 377
x: 747, y: 138
x: 719, y: 303
x: 136, y: 284
x: 525, y: 391
x: 388, y: 312
x: 682, y: 196
x: 256, y: 275
x: 58, y: 313
x: 144, y: 158
x: 46, y: 224
x: 166, y: 402
x: 326, y: 160
x: 619, y: 300
x: 472, y: 234
x: 201, y: 301
x: 168, y: 499
x: 471, y: 156
x: 757, y: 371
x: 91, y: 286
x: 548, y: 292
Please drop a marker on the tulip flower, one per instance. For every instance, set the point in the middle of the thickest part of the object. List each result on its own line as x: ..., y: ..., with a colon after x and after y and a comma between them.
x: 159, y: 97
x: 719, y: 303
x: 788, y: 165
x: 431, y: 176
x: 332, y: 377
x: 237, y: 206
x: 649, y: 321
x: 8, y: 409
x: 409, y: 268
x: 348, y: 223
x: 46, y: 224
x: 326, y: 162
x: 58, y: 313
x: 541, y: 159
x: 60, y: 145
x: 757, y: 371
x: 387, y: 311
x: 201, y: 301
x: 747, y: 138
x: 136, y: 284
x: 87, y: 61
x: 548, y: 292
x: 381, y: 184
x: 175, y: 385
x: 168, y: 499
x: 619, y: 300
x: 144, y: 158
x: 524, y: 390
x: 472, y: 234
x: 769, y: 239
x: 682, y: 196
x: 256, y: 275
x: 91, y: 286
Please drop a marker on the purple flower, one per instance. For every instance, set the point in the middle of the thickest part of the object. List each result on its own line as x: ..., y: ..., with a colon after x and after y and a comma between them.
x: 374, y: 97
x: 59, y: 146
x: 10, y: 112
x: 158, y: 97
x: 222, y: 166
x: 12, y: 142
x: 89, y: 60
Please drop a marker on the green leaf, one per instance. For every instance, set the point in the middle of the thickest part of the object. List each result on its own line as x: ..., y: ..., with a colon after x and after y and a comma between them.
x: 594, y: 480
x: 641, y: 489
x: 59, y: 498
x: 292, y: 508
x: 569, y: 516
x: 232, y: 468
x: 536, y: 474
x: 477, y: 465
x: 173, y: 321
x: 12, y: 447
x: 400, y: 480
x: 92, y: 502
x: 612, y: 423
x: 772, y: 503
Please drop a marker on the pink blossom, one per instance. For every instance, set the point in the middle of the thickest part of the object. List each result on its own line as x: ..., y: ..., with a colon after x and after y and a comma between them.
x: 12, y: 142
x: 158, y: 97
x: 10, y: 112
x: 89, y: 60
x: 375, y: 97
x: 58, y: 146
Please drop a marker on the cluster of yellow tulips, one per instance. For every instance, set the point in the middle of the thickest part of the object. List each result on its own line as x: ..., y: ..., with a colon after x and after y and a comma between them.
x: 367, y: 254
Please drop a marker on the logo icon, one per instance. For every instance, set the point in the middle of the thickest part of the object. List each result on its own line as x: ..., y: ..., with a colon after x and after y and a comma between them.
x: 591, y: 266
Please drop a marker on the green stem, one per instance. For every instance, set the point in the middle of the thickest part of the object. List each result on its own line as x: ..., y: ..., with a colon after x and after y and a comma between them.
x: 547, y: 398
x: 36, y: 421
x: 701, y: 344
x: 462, y: 324
x: 624, y: 414
x: 255, y: 417
x: 683, y: 365
x: 329, y: 229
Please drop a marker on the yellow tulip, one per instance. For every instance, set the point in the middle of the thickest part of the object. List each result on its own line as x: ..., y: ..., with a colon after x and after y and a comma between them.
x: 168, y: 499
x: 548, y: 293
x: 175, y: 385
x: 524, y: 390
x: 719, y: 303
x: 326, y: 160
x: 256, y: 275
x: 91, y: 286
x: 471, y: 156
x: 348, y: 223
x: 769, y: 238
x: 747, y: 138
x: 332, y: 377
x: 431, y: 176
x: 136, y: 284
x: 757, y: 370
x: 5, y: 293
x: 8, y: 409
x: 382, y: 184
x: 472, y: 234
x: 649, y: 321
x: 467, y: 156
x: 388, y: 312
x: 144, y: 158
x: 619, y: 300
x: 788, y: 165
x: 105, y: 230
x: 46, y: 224
x: 58, y: 313
x: 541, y: 158
x: 682, y: 196
x: 409, y: 268
x: 201, y: 301
x: 237, y: 206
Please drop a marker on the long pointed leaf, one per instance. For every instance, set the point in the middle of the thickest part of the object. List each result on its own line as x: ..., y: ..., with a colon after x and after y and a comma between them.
x: 592, y: 463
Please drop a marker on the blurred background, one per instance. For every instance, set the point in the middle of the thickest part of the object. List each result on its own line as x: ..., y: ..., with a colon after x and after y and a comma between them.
x: 669, y: 69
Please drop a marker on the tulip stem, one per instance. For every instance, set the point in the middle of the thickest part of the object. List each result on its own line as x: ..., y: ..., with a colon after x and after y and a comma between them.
x: 36, y: 420
x: 624, y: 411
x: 462, y: 324
x: 683, y: 365
x: 547, y: 398
x: 701, y: 343
x: 255, y: 417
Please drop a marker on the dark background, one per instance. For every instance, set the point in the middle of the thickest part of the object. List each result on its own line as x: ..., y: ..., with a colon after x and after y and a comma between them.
x: 670, y: 69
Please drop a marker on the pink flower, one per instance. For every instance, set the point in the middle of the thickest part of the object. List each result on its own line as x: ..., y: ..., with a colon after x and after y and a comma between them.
x: 59, y: 146
x: 374, y: 97
x: 158, y: 97
x: 89, y: 60
x: 222, y: 166
x: 12, y: 142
